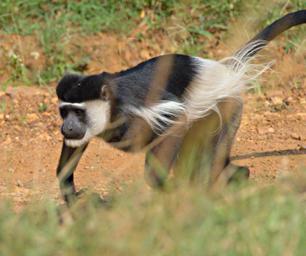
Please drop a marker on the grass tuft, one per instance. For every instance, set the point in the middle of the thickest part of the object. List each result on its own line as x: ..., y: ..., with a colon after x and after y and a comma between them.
x: 243, y: 219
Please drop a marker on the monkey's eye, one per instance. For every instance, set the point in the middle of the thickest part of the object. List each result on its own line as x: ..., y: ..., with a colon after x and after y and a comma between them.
x: 63, y: 112
x: 79, y: 112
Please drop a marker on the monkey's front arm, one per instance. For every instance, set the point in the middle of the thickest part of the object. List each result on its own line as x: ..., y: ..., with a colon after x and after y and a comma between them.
x: 68, y: 162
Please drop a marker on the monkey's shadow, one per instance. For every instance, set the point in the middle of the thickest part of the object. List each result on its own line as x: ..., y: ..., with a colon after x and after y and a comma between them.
x: 285, y: 152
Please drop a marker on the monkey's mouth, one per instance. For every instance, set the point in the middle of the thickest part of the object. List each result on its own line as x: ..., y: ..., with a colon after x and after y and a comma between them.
x: 74, y: 143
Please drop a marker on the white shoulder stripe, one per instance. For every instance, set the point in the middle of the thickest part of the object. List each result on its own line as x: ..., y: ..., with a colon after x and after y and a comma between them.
x: 160, y: 115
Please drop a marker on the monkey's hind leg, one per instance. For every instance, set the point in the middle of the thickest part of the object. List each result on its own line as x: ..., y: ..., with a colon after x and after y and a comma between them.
x: 159, y: 160
x: 223, y: 170
x: 205, y: 150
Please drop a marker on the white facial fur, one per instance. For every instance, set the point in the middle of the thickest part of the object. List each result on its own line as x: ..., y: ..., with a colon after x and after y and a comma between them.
x: 98, y: 116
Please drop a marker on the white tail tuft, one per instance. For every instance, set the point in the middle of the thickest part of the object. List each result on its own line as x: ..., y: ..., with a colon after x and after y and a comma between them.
x: 220, y: 80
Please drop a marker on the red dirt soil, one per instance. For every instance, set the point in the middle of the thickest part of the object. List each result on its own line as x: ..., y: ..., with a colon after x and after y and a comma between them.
x: 273, y: 123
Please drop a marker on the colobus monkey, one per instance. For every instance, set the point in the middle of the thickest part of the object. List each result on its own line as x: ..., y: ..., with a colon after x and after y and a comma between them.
x: 179, y: 108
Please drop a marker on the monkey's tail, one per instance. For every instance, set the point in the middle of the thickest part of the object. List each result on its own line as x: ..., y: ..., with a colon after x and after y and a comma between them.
x: 228, y: 78
x: 269, y: 33
x: 241, y: 62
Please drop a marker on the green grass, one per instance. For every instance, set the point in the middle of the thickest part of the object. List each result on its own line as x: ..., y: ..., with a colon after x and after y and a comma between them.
x: 240, y: 220
x: 119, y: 16
x: 195, y: 25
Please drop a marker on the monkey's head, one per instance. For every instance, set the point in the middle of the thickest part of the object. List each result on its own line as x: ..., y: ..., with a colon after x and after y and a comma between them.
x: 85, y: 106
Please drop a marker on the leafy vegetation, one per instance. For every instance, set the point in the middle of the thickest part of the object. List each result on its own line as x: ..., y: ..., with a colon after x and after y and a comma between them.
x: 54, y: 23
x: 240, y: 220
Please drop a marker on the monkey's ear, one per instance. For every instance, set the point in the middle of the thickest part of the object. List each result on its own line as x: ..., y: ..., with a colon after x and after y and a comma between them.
x: 106, y: 92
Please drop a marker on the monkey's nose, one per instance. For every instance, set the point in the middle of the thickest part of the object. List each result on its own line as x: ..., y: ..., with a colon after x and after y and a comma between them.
x: 70, y: 132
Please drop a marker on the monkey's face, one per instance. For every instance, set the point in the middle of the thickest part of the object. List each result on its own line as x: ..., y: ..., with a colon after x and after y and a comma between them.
x: 83, y: 121
x: 84, y: 107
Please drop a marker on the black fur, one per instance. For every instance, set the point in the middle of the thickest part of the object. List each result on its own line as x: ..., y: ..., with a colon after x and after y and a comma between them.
x: 134, y: 83
x: 275, y: 29
x: 131, y: 86
x: 281, y: 25
x: 77, y: 88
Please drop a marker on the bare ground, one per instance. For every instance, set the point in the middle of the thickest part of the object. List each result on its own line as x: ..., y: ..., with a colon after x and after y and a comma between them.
x: 271, y: 139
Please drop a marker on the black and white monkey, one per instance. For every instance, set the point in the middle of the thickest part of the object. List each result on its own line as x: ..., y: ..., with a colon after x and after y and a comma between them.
x: 174, y: 106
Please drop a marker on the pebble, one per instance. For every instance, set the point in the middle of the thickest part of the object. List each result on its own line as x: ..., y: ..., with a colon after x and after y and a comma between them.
x: 295, y: 136
x: 7, y: 141
x: 277, y: 101
x: 54, y: 100
x: 144, y: 54
x: 19, y: 183
x: 35, y: 55
x: 290, y: 99
x: 261, y: 130
x: 301, y: 116
x: 32, y: 117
